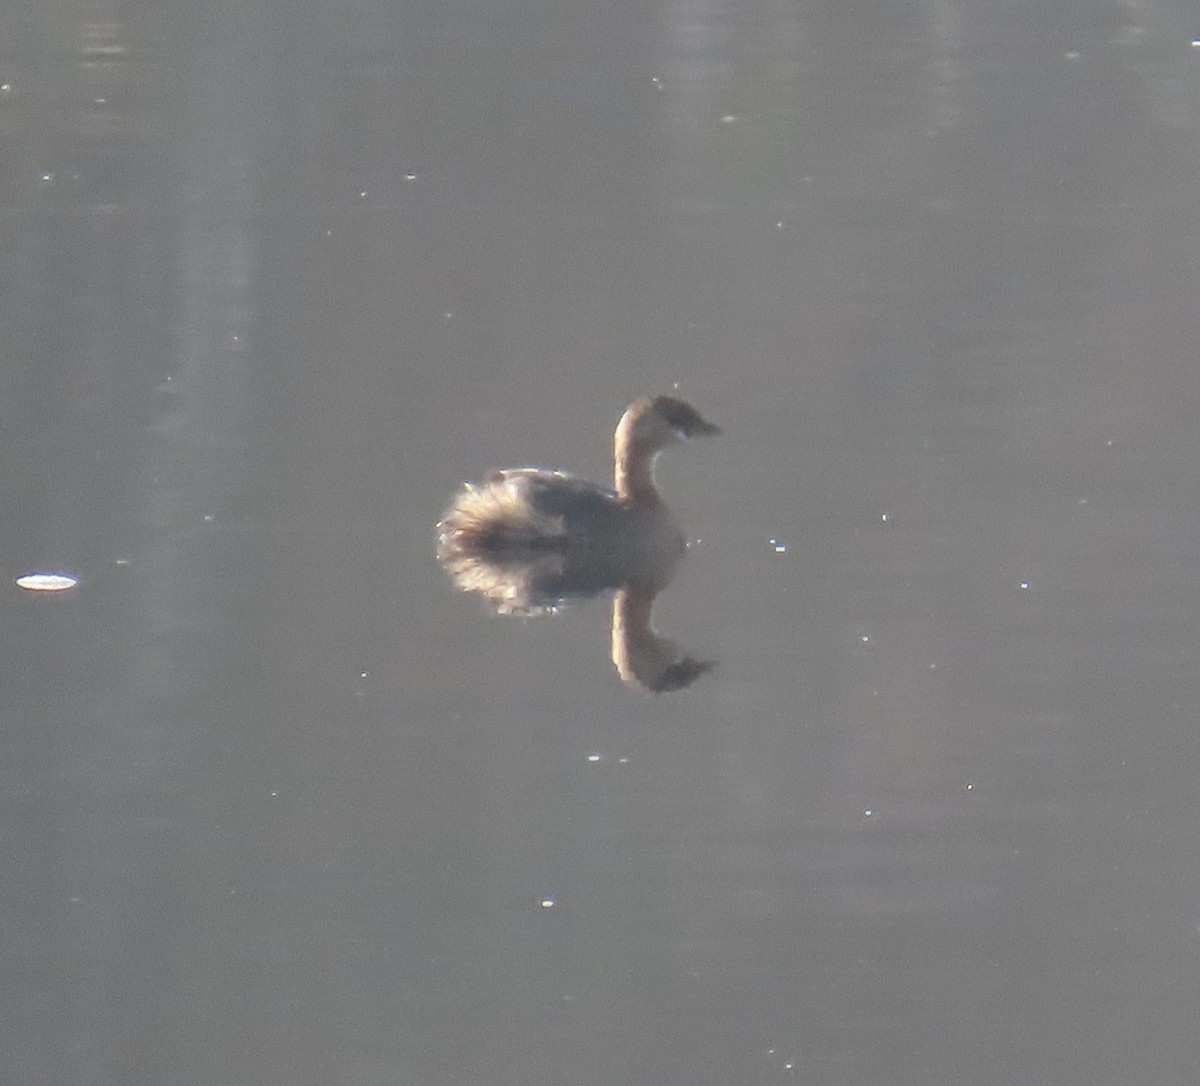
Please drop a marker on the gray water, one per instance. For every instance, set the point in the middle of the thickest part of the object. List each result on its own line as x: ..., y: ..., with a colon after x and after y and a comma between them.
x: 278, y: 805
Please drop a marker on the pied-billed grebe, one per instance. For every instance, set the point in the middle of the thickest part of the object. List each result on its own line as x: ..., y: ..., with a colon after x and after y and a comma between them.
x: 530, y: 510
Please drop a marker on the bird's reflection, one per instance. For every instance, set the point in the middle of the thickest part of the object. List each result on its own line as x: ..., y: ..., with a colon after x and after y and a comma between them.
x: 528, y: 541
x: 541, y: 584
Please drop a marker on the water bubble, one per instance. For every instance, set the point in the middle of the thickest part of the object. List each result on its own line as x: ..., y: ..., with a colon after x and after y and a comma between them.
x: 46, y: 582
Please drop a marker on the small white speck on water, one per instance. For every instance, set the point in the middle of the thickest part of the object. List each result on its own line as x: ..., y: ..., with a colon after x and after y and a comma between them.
x: 46, y: 582
x: 869, y: 812
x: 1023, y: 585
x: 729, y: 118
x: 884, y: 517
x: 777, y: 546
x: 411, y: 175
x: 547, y: 903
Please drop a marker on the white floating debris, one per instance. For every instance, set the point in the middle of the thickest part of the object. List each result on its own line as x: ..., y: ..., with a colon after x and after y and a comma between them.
x: 777, y: 546
x: 46, y: 582
x: 547, y: 903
